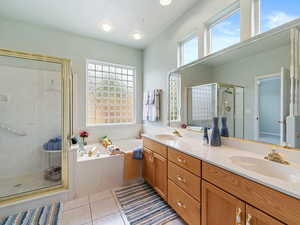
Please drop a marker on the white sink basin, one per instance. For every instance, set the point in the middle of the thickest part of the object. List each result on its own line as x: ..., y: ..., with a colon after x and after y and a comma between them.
x: 267, y: 168
x: 166, y: 137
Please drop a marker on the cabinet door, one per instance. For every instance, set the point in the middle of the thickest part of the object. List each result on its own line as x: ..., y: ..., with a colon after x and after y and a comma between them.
x: 256, y: 217
x: 160, y: 175
x: 221, y: 208
x: 148, y: 166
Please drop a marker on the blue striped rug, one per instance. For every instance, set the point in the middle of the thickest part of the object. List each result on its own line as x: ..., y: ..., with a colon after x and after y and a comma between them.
x: 45, y: 215
x: 143, y: 206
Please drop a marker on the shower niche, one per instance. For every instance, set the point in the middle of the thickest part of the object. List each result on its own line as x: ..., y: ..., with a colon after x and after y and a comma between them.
x: 35, y: 123
x: 216, y: 100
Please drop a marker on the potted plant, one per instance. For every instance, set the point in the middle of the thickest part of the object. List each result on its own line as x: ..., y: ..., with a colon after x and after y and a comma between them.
x: 84, y: 134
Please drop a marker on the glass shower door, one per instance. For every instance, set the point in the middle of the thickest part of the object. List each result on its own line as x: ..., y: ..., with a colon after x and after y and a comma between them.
x: 32, y: 135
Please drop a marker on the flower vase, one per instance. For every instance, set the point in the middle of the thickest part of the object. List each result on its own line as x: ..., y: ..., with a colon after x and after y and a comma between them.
x: 215, y: 139
x: 224, y: 128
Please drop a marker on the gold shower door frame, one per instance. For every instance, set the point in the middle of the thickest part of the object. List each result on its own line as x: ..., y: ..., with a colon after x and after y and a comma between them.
x: 66, y: 121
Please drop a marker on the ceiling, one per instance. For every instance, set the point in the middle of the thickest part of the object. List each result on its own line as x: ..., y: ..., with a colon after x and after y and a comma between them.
x: 84, y: 16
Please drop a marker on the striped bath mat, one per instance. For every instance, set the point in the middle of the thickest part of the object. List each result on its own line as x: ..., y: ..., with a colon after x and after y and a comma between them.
x: 141, y: 205
x: 45, y: 215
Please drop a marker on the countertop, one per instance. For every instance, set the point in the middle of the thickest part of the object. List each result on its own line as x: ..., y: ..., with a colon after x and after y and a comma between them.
x: 222, y: 157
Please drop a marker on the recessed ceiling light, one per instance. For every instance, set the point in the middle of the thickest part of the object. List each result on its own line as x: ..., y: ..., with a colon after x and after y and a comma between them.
x: 106, y: 27
x: 137, y: 36
x: 165, y: 2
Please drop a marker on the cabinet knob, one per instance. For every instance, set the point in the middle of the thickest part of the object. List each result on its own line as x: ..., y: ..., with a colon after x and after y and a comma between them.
x: 180, y: 204
x: 179, y: 178
x: 238, y: 216
x: 248, y: 221
x: 180, y: 160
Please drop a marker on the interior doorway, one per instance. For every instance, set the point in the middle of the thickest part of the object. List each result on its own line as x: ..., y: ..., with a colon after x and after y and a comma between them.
x: 272, y: 107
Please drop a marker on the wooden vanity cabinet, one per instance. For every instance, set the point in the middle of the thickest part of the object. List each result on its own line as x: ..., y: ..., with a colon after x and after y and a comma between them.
x: 160, y: 175
x: 221, y: 208
x: 202, y: 193
x: 256, y: 217
x: 155, y: 166
x: 148, y: 166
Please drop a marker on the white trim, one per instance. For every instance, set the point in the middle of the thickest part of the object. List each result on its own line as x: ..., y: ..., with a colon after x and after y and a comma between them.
x: 255, y: 17
x: 134, y: 111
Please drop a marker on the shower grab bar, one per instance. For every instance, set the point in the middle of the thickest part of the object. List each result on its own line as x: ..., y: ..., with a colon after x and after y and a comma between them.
x: 13, y: 131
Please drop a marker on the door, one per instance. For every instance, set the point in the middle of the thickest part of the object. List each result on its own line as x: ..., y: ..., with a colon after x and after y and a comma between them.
x: 256, y: 217
x: 148, y: 166
x: 271, y: 90
x: 220, y: 208
x: 160, y: 175
x: 284, y: 104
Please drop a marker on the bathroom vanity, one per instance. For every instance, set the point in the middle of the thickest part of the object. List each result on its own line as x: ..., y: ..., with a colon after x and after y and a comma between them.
x: 204, y: 185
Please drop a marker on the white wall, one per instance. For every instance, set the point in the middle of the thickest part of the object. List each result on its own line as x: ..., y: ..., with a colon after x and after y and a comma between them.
x: 161, y: 55
x: 36, y: 39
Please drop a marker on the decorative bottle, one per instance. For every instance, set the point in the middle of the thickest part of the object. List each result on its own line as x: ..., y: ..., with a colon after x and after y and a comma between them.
x: 224, y: 128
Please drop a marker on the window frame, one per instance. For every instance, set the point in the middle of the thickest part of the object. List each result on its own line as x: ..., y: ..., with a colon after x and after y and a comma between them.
x: 134, y: 105
x: 180, y: 48
x: 224, y: 14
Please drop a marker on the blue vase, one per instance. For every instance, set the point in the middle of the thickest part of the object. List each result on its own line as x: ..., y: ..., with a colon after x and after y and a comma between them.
x: 215, y: 139
x: 224, y: 128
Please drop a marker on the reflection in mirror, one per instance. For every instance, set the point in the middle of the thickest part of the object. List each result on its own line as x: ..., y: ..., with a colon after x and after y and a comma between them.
x: 216, y: 100
x: 30, y: 125
x: 251, y: 86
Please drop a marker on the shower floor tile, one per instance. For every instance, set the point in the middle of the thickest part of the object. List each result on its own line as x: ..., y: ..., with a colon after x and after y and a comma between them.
x: 21, y: 184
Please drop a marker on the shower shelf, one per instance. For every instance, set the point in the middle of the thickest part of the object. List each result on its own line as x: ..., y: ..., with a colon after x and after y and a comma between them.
x: 51, y: 151
x: 11, y: 130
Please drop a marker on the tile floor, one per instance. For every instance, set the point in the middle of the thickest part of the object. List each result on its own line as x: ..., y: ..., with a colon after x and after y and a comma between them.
x: 96, y: 209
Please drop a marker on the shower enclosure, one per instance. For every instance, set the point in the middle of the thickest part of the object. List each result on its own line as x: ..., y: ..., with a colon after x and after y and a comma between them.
x: 216, y: 100
x: 35, y: 122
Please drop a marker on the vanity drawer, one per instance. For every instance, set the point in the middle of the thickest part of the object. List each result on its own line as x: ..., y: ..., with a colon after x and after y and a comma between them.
x: 185, y: 161
x: 155, y: 147
x: 189, y: 182
x: 275, y: 203
x: 187, y: 207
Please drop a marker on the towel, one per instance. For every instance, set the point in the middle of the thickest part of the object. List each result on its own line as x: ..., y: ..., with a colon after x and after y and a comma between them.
x: 138, y: 153
x: 152, y: 105
x: 53, y: 144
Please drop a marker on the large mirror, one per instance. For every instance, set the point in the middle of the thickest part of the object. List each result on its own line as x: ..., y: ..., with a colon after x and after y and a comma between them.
x: 250, y: 86
x: 34, y: 123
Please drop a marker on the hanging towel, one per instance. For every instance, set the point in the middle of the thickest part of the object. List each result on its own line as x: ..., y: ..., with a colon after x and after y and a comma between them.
x: 138, y: 153
x: 152, y: 105
x: 146, y: 105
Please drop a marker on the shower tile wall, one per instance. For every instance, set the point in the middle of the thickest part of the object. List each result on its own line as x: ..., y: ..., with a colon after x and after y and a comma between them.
x: 30, y: 108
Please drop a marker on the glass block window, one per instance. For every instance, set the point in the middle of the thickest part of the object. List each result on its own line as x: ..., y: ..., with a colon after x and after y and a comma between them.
x: 174, y: 97
x: 110, y: 93
x: 202, y: 102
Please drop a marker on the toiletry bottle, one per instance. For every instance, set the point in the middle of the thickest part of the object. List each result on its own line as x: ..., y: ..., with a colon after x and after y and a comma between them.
x: 205, y: 136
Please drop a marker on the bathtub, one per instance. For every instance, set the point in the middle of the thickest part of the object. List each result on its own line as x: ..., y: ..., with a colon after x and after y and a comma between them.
x: 102, y: 171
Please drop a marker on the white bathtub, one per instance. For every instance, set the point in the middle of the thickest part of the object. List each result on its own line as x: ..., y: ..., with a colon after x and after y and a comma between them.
x: 101, y: 171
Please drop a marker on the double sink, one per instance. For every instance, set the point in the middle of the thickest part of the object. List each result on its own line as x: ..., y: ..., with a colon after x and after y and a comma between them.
x: 261, y: 166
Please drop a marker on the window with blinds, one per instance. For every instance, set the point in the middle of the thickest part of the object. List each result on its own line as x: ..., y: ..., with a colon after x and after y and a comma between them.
x: 110, y: 93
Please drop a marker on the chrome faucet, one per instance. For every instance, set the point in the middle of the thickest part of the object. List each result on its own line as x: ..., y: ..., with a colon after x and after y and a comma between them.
x: 177, y: 133
x: 275, y: 156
